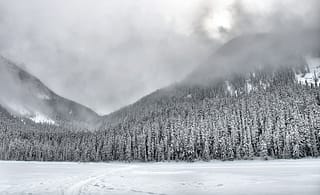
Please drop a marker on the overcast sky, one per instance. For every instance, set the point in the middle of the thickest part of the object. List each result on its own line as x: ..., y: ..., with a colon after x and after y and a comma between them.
x: 106, y: 54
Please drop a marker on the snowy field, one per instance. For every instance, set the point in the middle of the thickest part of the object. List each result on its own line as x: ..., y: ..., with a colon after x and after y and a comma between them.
x: 238, y: 177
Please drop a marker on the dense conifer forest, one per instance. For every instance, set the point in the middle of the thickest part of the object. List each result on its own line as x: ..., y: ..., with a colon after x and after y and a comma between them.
x: 262, y: 115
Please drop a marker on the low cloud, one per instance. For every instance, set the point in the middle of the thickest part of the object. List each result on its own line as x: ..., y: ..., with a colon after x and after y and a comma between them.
x: 107, y: 54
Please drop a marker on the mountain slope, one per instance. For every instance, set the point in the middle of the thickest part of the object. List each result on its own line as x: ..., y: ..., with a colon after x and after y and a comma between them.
x: 245, y: 63
x: 24, y: 95
x: 260, y: 112
x: 244, y: 102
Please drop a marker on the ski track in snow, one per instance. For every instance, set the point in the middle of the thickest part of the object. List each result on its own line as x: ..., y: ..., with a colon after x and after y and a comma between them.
x: 83, y: 186
x: 204, y: 178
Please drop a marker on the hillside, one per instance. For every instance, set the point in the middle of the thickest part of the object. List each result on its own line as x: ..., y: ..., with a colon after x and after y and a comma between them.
x: 264, y: 111
x: 26, y: 96
x: 253, y: 98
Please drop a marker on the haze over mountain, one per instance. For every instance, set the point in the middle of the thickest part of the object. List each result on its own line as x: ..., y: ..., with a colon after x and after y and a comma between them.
x: 108, y: 54
x: 248, y: 53
x: 245, y: 63
x: 24, y: 95
x: 270, y: 109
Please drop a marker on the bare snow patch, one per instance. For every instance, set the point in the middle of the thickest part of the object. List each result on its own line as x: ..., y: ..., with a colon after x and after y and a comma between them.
x: 313, y: 75
x: 22, y: 111
x: 249, y: 86
x: 229, y: 88
x: 40, y: 118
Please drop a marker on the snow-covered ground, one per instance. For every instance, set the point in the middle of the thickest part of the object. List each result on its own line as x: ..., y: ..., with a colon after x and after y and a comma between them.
x: 40, y: 118
x: 239, y: 177
x: 314, y: 72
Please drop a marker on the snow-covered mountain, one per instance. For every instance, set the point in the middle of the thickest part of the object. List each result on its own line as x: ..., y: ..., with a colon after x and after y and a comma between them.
x: 244, y: 64
x: 245, y: 101
x: 24, y: 95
